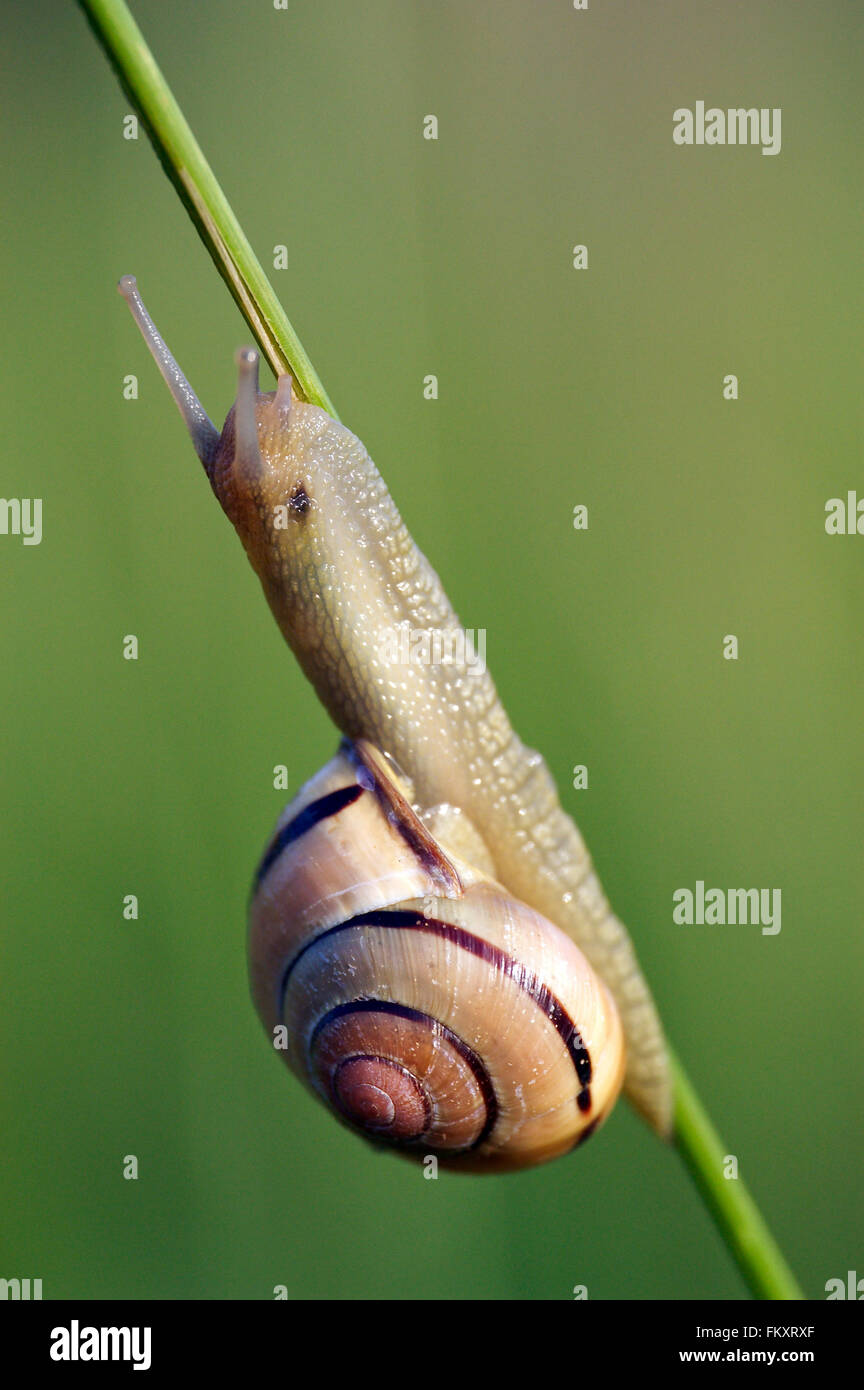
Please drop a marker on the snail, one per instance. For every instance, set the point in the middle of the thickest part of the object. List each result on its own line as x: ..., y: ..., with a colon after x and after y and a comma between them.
x: 427, y: 933
x: 429, y: 1007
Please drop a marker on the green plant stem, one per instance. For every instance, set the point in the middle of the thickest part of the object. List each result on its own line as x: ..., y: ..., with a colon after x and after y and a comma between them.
x: 184, y: 163
x: 737, y: 1216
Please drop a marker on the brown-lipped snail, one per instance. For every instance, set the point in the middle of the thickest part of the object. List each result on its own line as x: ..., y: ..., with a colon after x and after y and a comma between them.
x: 428, y: 936
x: 428, y: 1006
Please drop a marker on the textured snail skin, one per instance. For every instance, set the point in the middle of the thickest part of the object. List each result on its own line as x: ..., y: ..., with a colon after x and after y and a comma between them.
x: 340, y: 574
x: 429, y: 1008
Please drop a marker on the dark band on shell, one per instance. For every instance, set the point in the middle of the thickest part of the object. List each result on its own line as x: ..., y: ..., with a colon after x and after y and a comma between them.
x: 371, y: 777
x: 373, y: 774
x: 507, y: 965
x: 314, y: 814
x: 442, y: 1034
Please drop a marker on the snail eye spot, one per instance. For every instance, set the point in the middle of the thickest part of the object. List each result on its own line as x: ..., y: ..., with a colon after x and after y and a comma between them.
x: 300, y: 501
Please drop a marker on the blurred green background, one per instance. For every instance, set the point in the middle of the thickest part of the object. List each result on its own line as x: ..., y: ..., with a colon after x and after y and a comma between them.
x: 556, y: 387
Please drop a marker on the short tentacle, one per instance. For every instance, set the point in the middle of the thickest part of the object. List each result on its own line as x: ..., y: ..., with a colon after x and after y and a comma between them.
x: 284, y: 398
x: 247, y: 455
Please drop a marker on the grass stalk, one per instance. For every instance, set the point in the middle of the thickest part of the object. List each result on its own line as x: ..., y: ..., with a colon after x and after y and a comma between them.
x: 183, y: 161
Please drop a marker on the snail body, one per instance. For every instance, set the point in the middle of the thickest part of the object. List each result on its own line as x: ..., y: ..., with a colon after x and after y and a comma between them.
x: 341, y: 572
x: 427, y: 1006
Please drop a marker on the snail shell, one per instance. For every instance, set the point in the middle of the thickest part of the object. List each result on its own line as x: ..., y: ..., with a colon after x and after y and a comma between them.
x: 428, y: 1007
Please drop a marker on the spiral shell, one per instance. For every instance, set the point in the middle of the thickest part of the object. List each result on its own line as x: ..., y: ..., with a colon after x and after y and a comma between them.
x: 429, y: 1008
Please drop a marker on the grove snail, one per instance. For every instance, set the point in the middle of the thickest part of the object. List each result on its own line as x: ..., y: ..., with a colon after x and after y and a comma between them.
x: 427, y: 1005
x: 401, y: 937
